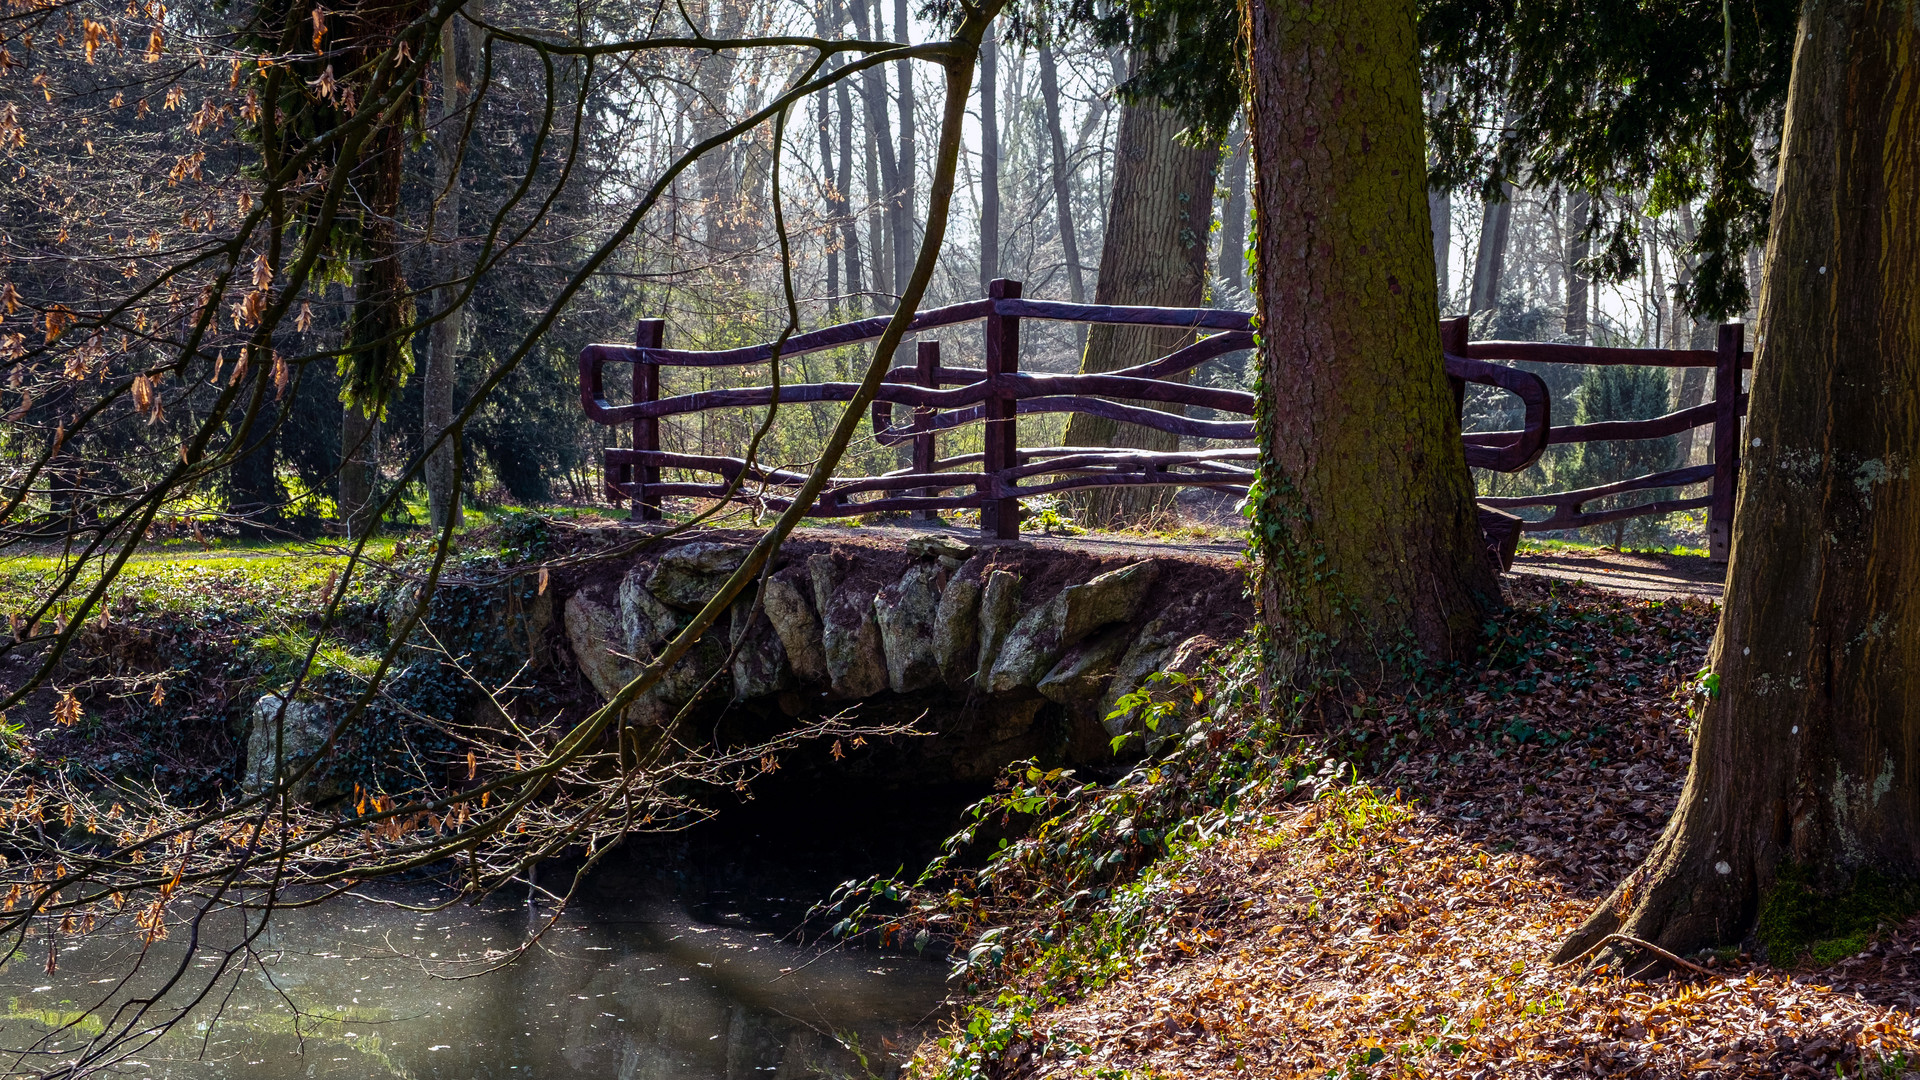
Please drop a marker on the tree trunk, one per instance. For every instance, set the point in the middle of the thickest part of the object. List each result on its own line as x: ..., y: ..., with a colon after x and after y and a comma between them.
x: 903, y: 201
x: 989, y: 160
x: 1809, y: 755
x: 1062, y: 179
x: 1490, y: 258
x: 1155, y: 253
x: 1233, y: 216
x: 835, y: 196
x: 1364, y: 517
x: 1440, y: 209
x: 253, y: 489
x: 378, y: 354
x: 849, y: 228
x: 437, y: 382
x: 714, y: 75
x: 359, y: 464
x: 1579, y: 208
x: 882, y: 177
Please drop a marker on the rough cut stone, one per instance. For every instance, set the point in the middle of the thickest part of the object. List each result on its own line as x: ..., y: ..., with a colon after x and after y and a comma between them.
x: 1182, y: 656
x: 856, y: 666
x: 904, y: 611
x: 937, y: 546
x: 822, y: 572
x: 271, y: 757
x: 611, y: 647
x: 645, y: 622
x: 999, y: 606
x: 703, y: 670
x: 1084, y: 670
x: 792, y: 615
x: 689, y: 575
x: 956, y: 625
x: 760, y: 667
x: 595, y: 632
x: 1188, y: 657
x: 1141, y: 659
x: 1115, y: 596
x: 1043, y: 634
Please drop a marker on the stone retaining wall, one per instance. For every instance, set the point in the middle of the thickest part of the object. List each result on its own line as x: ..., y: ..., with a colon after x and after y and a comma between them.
x: 982, y: 636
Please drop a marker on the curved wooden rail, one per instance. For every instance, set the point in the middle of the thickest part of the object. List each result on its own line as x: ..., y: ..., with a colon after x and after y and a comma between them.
x: 1509, y: 451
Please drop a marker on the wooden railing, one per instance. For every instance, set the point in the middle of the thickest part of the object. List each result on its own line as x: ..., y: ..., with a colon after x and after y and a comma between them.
x: 1723, y: 414
x: 940, y: 398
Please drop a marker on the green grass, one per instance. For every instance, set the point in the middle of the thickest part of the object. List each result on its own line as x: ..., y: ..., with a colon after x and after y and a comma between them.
x: 220, y: 578
x: 225, y: 576
x: 1531, y: 546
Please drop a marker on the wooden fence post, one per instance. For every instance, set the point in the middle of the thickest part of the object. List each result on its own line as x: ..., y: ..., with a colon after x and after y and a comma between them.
x: 651, y: 334
x: 1454, y: 335
x: 928, y: 362
x: 1726, y: 440
x: 1001, y: 517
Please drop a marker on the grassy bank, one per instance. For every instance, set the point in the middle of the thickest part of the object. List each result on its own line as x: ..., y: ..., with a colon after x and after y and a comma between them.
x: 159, y: 685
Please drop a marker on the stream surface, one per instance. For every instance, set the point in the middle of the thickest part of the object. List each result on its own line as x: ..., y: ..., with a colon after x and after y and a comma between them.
x: 670, y: 966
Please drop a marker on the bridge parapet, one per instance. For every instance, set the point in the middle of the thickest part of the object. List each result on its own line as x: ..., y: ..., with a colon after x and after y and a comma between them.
x: 941, y: 398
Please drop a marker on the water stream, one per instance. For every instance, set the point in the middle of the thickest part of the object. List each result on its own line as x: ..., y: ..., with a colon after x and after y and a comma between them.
x: 675, y: 964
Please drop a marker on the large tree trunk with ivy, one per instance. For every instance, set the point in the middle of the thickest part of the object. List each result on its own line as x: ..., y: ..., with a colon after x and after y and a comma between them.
x: 1806, y: 768
x: 1158, y: 221
x: 1364, y: 517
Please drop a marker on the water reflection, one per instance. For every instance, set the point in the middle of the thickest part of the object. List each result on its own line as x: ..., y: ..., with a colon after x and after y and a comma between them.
x: 629, y: 990
x: 629, y: 985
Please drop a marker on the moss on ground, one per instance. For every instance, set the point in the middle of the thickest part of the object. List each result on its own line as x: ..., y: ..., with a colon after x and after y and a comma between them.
x: 1802, y: 923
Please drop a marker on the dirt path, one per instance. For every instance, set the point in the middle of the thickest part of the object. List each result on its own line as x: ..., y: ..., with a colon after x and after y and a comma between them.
x: 1653, y: 577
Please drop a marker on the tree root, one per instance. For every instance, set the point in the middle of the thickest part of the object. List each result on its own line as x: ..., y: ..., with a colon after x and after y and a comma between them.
x: 1637, y: 943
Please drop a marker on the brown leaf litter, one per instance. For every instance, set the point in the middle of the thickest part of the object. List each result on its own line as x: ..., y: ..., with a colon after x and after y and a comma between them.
x: 1405, y: 928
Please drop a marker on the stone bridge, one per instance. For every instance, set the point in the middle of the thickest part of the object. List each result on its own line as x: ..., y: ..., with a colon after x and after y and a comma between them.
x: 1002, y: 649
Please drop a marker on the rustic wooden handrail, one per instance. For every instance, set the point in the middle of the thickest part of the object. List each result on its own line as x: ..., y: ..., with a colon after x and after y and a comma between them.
x: 939, y: 398
x: 1550, y: 352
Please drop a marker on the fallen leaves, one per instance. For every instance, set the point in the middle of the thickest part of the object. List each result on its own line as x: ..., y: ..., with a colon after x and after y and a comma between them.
x: 1417, y: 943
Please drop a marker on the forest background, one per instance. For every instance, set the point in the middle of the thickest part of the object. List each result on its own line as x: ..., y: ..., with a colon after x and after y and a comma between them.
x: 132, y: 152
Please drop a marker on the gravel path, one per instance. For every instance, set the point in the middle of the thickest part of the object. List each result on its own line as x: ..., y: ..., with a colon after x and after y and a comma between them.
x: 1653, y: 577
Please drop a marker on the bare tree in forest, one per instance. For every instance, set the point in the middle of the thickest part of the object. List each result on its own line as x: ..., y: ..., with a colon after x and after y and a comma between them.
x: 1490, y: 255
x: 1805, y: 771
x: 835, y: 193
x: 1578, y: 304
x: 1062, y: 177
x: 1440, y: 209
x: 1233, y: 214
x: 989, y: 161
x: 843, y: 189
x: 437, y: 381
x: 882, y: 171
x: 902, y: 199
x: 718, y: 170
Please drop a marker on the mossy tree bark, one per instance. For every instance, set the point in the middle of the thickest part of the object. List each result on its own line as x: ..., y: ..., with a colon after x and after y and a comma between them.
x: 1155, y: 253
x: 1809, y: 755
x: 1365, y: 518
